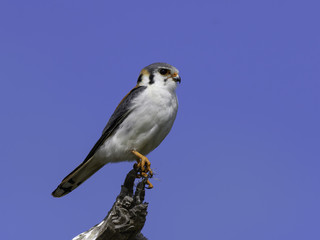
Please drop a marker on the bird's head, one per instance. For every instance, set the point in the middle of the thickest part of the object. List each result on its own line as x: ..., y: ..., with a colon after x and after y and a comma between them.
x: 159, y: 75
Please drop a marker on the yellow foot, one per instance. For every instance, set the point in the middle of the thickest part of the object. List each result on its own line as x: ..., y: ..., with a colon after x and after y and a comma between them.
x: 144, y: 163
x: 149, y: 184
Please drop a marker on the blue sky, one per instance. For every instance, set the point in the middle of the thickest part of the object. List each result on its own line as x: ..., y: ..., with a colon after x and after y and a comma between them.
x: 242, y: 160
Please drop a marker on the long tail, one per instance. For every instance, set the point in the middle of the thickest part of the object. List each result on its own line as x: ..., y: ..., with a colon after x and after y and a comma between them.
x: 77, y: 177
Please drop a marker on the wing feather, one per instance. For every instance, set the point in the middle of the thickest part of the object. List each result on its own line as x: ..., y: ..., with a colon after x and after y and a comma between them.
x: 120, y: 114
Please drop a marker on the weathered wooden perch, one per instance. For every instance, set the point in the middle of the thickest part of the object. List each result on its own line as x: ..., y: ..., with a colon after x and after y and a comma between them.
x: 126, y: 217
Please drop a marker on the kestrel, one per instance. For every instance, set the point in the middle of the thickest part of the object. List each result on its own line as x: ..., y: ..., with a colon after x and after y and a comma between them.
x: 139, y: 124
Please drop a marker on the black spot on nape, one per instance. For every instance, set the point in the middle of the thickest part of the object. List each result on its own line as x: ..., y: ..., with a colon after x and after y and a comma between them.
x: 151, y: 81
x: 139, y: 78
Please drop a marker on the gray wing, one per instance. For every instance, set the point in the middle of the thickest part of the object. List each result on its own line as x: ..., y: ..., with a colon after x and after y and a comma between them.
x: 119, y: 115
x: 88, y: 167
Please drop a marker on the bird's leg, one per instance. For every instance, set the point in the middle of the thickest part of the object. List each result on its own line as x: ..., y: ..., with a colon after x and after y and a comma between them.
x: 144, y: 165
x: 149, y: 184
x: 144, y: 162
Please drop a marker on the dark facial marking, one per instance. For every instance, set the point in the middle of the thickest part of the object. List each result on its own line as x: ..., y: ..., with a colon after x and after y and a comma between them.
x: 139, y: 78
x: 151, y: 79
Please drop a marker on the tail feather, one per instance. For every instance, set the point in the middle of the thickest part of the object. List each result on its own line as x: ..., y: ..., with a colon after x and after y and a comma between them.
x: 77, y: 177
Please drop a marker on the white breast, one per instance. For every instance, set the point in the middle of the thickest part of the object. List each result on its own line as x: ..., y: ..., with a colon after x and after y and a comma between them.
x: 155, y: 110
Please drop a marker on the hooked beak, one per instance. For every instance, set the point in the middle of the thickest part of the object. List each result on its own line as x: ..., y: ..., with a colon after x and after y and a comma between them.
x: 176, y: 78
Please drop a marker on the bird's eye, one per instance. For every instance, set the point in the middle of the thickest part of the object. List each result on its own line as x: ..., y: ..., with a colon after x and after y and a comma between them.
x: 163, y: 71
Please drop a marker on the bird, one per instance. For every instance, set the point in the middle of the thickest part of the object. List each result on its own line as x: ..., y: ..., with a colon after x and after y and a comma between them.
x: 138, y: 125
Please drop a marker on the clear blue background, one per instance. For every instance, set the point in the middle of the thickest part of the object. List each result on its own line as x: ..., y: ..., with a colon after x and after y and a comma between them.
x: 242, y: 160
